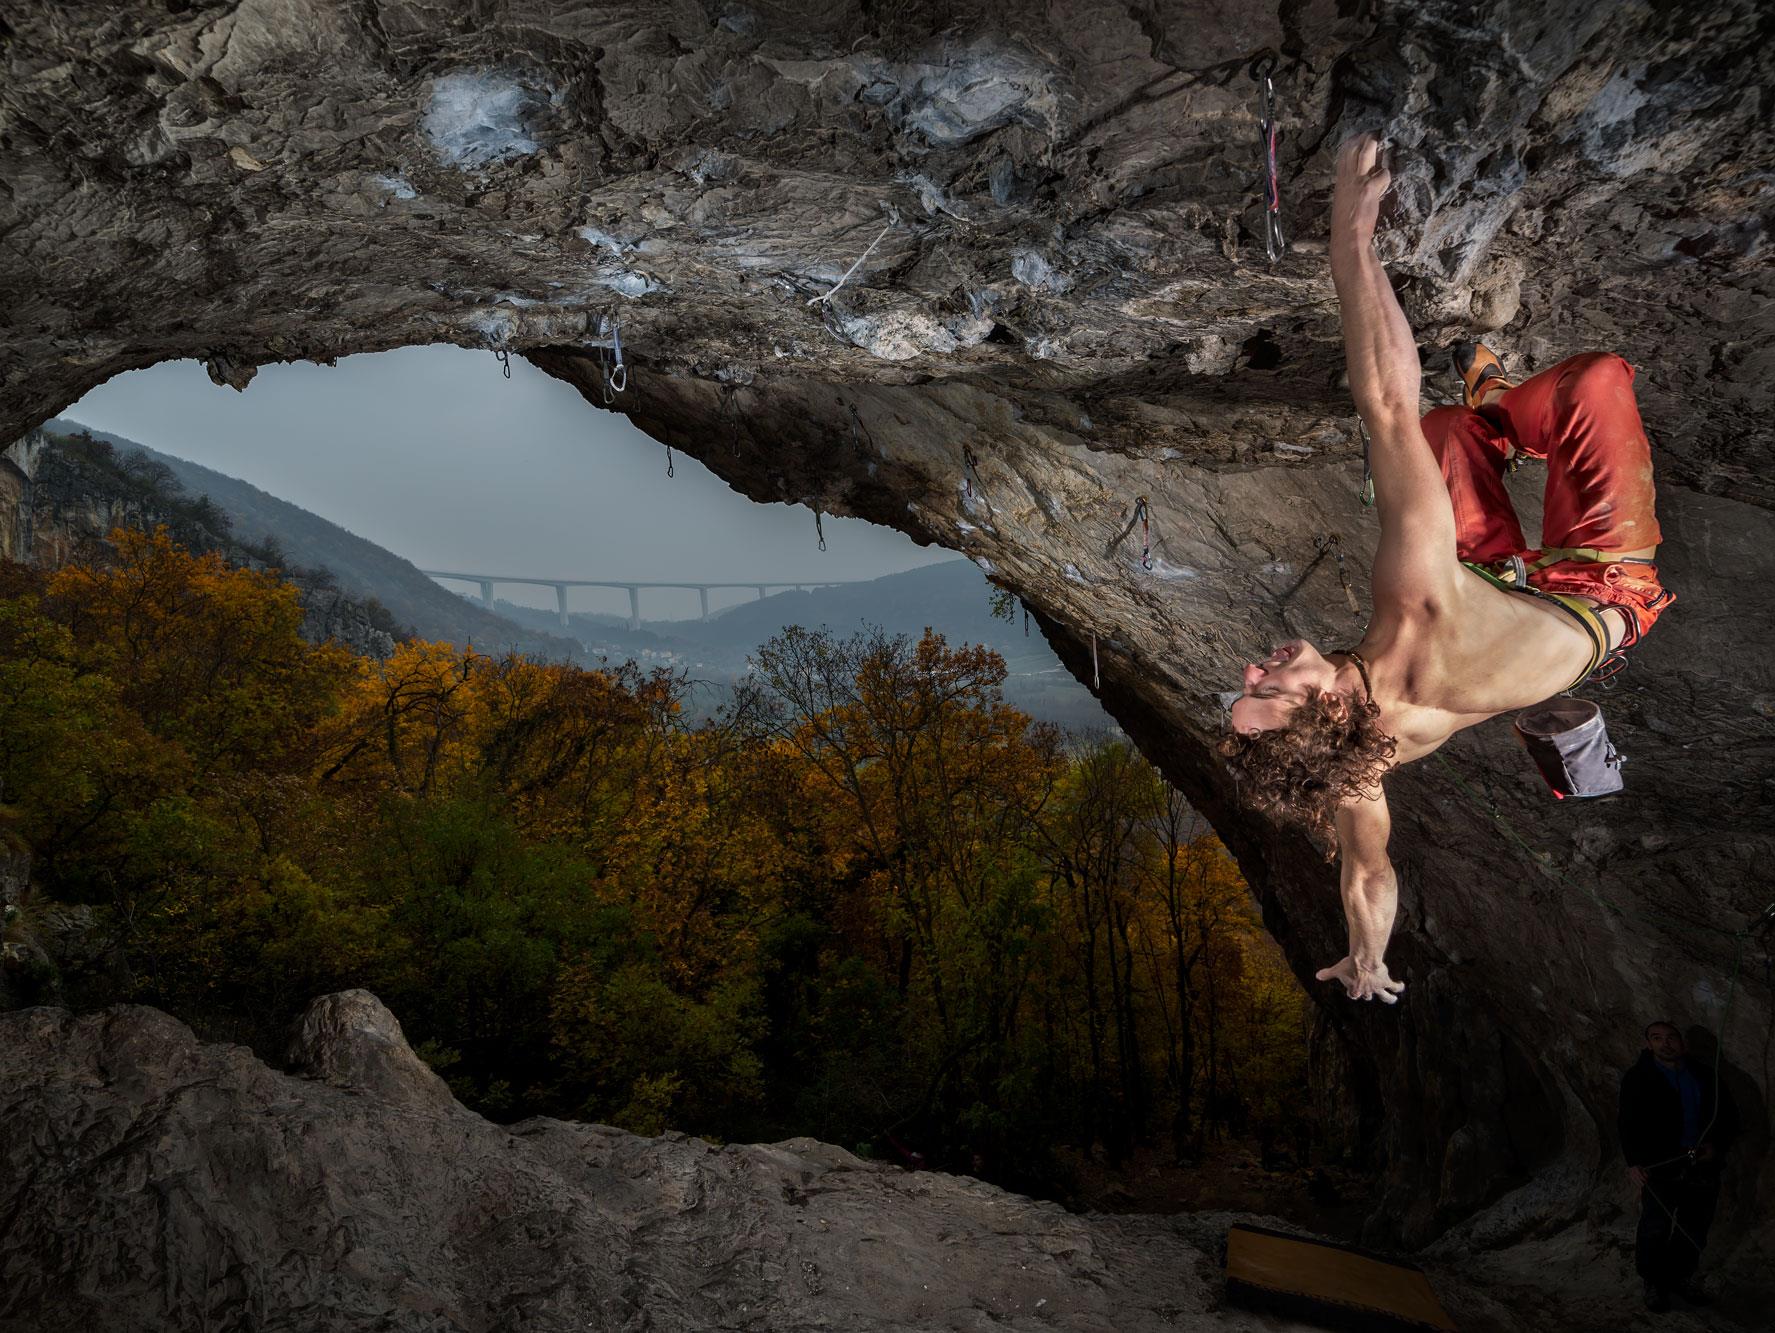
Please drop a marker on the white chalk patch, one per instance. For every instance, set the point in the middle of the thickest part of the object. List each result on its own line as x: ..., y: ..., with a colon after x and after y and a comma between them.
x: 1035, y: 272
x: 597, y: 236
x: 629, y: 284
x: 984, y: 563
x: 1164, y: 569
x: 1072, y: 572
x: 900, y: 335
x: 396, y: 186
x: 476, y: 119
x: 1704, y: 995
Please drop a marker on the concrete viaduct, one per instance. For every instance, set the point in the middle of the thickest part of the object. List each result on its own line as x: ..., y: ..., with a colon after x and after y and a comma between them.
x: 486, y: 582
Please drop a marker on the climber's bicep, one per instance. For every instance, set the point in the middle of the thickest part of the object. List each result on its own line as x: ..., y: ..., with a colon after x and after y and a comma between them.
x: 1415, y: 561
x: 1364, y: 827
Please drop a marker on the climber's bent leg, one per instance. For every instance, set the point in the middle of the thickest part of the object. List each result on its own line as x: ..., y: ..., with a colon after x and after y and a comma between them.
x: 1582, y: 418
x: 1471, y: 453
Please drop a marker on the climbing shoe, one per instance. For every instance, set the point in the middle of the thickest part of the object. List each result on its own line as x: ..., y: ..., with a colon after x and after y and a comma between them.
x: 1478, y: 367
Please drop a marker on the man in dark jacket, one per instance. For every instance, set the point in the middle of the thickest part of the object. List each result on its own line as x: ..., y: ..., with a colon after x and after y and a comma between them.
x: 1675, y: 1125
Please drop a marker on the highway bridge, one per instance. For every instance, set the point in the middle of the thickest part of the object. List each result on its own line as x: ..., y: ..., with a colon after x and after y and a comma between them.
x: 487, y: 583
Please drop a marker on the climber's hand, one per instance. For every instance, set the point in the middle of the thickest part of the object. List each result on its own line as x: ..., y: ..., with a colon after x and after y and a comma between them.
x: 1362, y: 182
x: 1362, y: 981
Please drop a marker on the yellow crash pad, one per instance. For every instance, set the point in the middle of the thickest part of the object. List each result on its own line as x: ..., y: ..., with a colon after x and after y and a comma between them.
x: 1329, y: 1283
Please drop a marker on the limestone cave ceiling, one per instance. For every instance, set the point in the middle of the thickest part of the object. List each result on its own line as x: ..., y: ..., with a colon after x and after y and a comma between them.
x: 988, y: 274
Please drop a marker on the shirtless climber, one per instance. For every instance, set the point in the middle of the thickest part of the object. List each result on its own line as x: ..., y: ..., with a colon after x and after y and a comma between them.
x: 1447, y: 648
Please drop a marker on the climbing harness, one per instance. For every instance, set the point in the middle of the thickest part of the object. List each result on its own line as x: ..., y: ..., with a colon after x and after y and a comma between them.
x: 1274, y: 244
x: 1605, y: 664
x: 819, y: 530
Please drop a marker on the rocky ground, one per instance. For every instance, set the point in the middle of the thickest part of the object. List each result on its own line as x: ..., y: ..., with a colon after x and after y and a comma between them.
x: 151, y: 1182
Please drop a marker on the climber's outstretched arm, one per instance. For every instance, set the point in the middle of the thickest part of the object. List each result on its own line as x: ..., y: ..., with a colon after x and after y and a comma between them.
x: 1415, y: 561
x: 1371, y: 898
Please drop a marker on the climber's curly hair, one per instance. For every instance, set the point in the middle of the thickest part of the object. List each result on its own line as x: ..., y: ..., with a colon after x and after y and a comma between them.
x: 1302, y: 771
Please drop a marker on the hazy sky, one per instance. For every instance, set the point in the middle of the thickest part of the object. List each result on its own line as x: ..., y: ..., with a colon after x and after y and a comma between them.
x: 431, y: 453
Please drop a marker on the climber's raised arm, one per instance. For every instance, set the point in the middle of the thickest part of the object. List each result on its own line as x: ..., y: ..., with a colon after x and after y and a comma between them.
x: 1416, y: 556
x: 1371, y: 898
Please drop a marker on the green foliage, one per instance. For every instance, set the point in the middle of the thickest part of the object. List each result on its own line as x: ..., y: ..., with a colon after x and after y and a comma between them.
x: 870, y: 902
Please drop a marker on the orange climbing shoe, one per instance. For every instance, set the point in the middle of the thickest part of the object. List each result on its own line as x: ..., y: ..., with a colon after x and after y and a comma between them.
x: 1480, y: 371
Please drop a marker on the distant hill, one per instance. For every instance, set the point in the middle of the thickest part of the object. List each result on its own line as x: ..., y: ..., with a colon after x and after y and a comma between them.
x: 362, y: 568
x: 952, y: 597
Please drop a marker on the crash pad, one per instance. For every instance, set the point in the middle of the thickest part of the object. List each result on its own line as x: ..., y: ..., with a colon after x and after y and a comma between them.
x: 1334, y: 1285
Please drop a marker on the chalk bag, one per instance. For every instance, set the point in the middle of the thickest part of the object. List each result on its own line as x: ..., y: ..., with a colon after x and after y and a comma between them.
x: 1570, y: 745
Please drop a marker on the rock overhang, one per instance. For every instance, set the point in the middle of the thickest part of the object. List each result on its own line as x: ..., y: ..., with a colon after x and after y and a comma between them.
x: 992, y: 286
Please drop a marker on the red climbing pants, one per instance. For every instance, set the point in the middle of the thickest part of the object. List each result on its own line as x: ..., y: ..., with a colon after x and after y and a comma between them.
x: 1580, y: 417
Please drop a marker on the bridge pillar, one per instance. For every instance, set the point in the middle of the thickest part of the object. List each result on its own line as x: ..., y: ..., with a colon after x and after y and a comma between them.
x: 561, y: 602
x: 634, y: 607
x: 487, y: 593
x: 705, y: 596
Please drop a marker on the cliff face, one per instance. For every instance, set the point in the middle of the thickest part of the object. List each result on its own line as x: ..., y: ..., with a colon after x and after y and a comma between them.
x: 989, y: 275
x: 61, y: 497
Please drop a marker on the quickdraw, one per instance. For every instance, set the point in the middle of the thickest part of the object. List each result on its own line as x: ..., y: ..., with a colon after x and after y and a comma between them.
x: 1274, y: 243
x: 614, y: 373
x: 818, y: 529
x: 669, y: 460
x: 504, y: 357
x: 1140, y: 515
x: 969, y: 470
x: 1367, y: 469
x: 1334, y: 544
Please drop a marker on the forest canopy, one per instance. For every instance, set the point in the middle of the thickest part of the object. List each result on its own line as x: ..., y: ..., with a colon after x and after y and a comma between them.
x: 868, y: 902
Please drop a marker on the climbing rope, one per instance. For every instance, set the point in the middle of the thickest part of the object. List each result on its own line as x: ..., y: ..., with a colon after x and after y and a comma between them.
x: 1274, y: 243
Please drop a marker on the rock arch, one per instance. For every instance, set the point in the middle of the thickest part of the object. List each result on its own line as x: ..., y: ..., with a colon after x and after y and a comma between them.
x: 991, y: 282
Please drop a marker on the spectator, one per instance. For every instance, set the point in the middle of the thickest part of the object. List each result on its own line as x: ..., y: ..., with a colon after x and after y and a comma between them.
x: 1676, y: 1123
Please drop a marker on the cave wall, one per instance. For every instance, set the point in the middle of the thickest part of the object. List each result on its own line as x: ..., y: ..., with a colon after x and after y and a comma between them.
x: 988, y: 274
